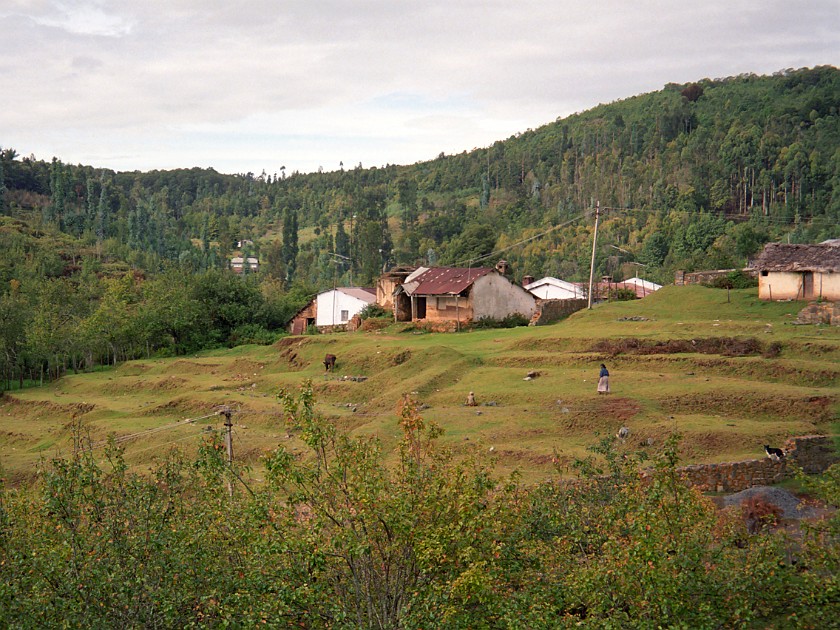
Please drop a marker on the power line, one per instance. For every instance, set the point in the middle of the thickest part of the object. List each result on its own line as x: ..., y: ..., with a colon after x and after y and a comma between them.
x: 131, y: 436
x: 523, y: 241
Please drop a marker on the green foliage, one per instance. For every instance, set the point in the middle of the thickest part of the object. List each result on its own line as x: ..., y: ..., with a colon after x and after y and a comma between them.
x: 373, y: 311
x: 510, y: 321
x: 337, y: 538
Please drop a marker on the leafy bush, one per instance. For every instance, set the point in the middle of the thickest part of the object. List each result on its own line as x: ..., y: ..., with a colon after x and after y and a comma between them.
x: 511, y: 321
x: 253, y: 334
x: 623, y: 295
x: 373, y: 310
x: 734, y: 280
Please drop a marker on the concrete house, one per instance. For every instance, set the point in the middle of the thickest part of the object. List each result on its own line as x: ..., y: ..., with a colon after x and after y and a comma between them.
x: 456, y: 294
x: 799, y: 272
x: 331, y: 309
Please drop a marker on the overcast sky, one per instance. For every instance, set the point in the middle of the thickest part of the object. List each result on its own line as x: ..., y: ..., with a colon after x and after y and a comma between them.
x: 252, y: 86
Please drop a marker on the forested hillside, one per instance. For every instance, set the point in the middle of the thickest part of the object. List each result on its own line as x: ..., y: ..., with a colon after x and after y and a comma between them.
x: 97, y: 265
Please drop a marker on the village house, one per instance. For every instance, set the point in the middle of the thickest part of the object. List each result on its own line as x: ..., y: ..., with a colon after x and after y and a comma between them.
x: 459, y: 294
x: 549, y: 288
x: 799, y: 272
x: 237, y: 264
x: 332, y: 309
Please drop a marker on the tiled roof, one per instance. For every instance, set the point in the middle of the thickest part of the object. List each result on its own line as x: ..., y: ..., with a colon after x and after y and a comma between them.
x: 360, y: 293
x: 445, y: 280
x: 795, y: 257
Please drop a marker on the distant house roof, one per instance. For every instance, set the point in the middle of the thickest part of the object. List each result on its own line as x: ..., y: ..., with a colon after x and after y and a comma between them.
x: 360, y: 293
x: 641, y: 283
x: 822, y: 258
x: 561, y: 287
x: 443, y: 280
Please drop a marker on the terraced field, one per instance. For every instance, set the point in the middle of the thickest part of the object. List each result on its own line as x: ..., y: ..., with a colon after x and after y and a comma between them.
x: 729, y: 376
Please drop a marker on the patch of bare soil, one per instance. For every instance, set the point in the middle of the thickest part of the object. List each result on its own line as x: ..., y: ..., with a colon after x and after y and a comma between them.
x: 287, y: 342
x: 604, y: 415
x: 509, y: 456
x: 548, y: 345
x: 188, y: 406
x: 43, y: 407
x: 289, y: 352
x: 814, y: 408
x: 246, y: 366
x: 163, y: 385
x: 193, y: 367
x: 698, y: 446
x: 724, y: 346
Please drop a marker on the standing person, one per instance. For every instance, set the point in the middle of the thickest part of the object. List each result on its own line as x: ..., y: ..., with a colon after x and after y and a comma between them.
x: 604, y: 380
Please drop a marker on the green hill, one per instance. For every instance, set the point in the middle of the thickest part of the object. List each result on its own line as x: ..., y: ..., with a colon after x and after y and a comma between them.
x: 728, y: 375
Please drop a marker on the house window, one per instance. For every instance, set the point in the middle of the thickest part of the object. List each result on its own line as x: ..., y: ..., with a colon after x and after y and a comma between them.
x: 345, y: 315
x: 765, y: 273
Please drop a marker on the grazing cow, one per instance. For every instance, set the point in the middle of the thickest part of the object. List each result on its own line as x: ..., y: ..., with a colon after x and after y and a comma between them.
x: 776, y: 454
x: 329, y: 362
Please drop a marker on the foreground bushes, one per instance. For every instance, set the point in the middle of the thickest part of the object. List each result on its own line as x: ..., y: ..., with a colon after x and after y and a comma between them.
x: 337, y: 539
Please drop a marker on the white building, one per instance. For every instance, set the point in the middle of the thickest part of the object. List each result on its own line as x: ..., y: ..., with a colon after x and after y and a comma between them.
x: 337, y: 306
x: 237, y: 264
x: 549, y: 288
x: 645, y: 285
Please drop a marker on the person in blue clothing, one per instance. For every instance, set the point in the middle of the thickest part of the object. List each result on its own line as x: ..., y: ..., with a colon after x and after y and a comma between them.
x: 604, y: 380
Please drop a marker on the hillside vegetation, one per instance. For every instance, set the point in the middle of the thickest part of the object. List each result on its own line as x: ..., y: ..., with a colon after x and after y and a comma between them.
x: 729, y: 376
x: 98, y: 267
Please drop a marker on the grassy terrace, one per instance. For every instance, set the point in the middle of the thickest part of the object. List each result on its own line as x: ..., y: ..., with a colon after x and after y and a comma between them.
x: 670, y: 371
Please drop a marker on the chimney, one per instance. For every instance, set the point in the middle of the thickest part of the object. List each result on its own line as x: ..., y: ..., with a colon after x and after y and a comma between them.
x: 526, y: 280
x: 502, y: 267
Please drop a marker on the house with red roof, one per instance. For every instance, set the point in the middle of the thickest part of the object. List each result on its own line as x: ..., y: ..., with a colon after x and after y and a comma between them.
x: 459, y: 294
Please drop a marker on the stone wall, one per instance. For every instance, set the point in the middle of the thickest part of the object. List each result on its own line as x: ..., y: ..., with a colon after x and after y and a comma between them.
x: 820, y: 313
x: 550, y: 311
x: 707, y: 277
x: 813, y: 453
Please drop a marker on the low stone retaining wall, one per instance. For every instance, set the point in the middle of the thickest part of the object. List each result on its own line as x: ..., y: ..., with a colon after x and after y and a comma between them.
x: 820, y: 313
x: 813, y: 453
x: 550, y: 311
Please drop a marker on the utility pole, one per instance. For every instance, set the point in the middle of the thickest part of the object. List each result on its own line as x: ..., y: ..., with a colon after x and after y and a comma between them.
x: 226, y: 412
x: 594, y: 241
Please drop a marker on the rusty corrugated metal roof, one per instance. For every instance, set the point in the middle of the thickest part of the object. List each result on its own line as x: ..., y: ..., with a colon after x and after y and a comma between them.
x: 445, y: 280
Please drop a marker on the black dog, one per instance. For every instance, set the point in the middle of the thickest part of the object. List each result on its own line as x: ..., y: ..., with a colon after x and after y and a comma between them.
x: 776, y: 454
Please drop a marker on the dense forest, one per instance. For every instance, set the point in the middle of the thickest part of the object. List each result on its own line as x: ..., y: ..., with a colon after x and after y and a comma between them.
x: 98, y: 266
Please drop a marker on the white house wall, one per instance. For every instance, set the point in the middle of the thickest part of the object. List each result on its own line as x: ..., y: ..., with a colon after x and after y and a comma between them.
x: 330, y: 307
x: 788, y: 285
x: 496, y: 297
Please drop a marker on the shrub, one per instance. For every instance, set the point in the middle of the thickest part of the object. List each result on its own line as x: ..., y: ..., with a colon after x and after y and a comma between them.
x: 511, y: 321
x: 373, y: 311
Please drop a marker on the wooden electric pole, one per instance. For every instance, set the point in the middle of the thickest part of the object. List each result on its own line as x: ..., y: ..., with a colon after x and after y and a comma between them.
x: 226, y: 412
x: 594, y: 241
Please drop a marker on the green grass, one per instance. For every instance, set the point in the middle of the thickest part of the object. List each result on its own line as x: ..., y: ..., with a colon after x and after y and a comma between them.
x: 726, y: 407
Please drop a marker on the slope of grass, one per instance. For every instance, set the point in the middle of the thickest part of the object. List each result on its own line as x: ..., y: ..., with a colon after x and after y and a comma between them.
x: 727, y: 407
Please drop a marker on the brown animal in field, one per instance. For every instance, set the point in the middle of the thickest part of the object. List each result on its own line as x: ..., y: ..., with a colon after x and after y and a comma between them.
x: 470, y: 400
x: 329, y: 362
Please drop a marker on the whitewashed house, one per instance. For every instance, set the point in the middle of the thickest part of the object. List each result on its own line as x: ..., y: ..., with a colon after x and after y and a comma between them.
x: 336, y: 307
x: 642, y: 287
x: 549, y: 288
